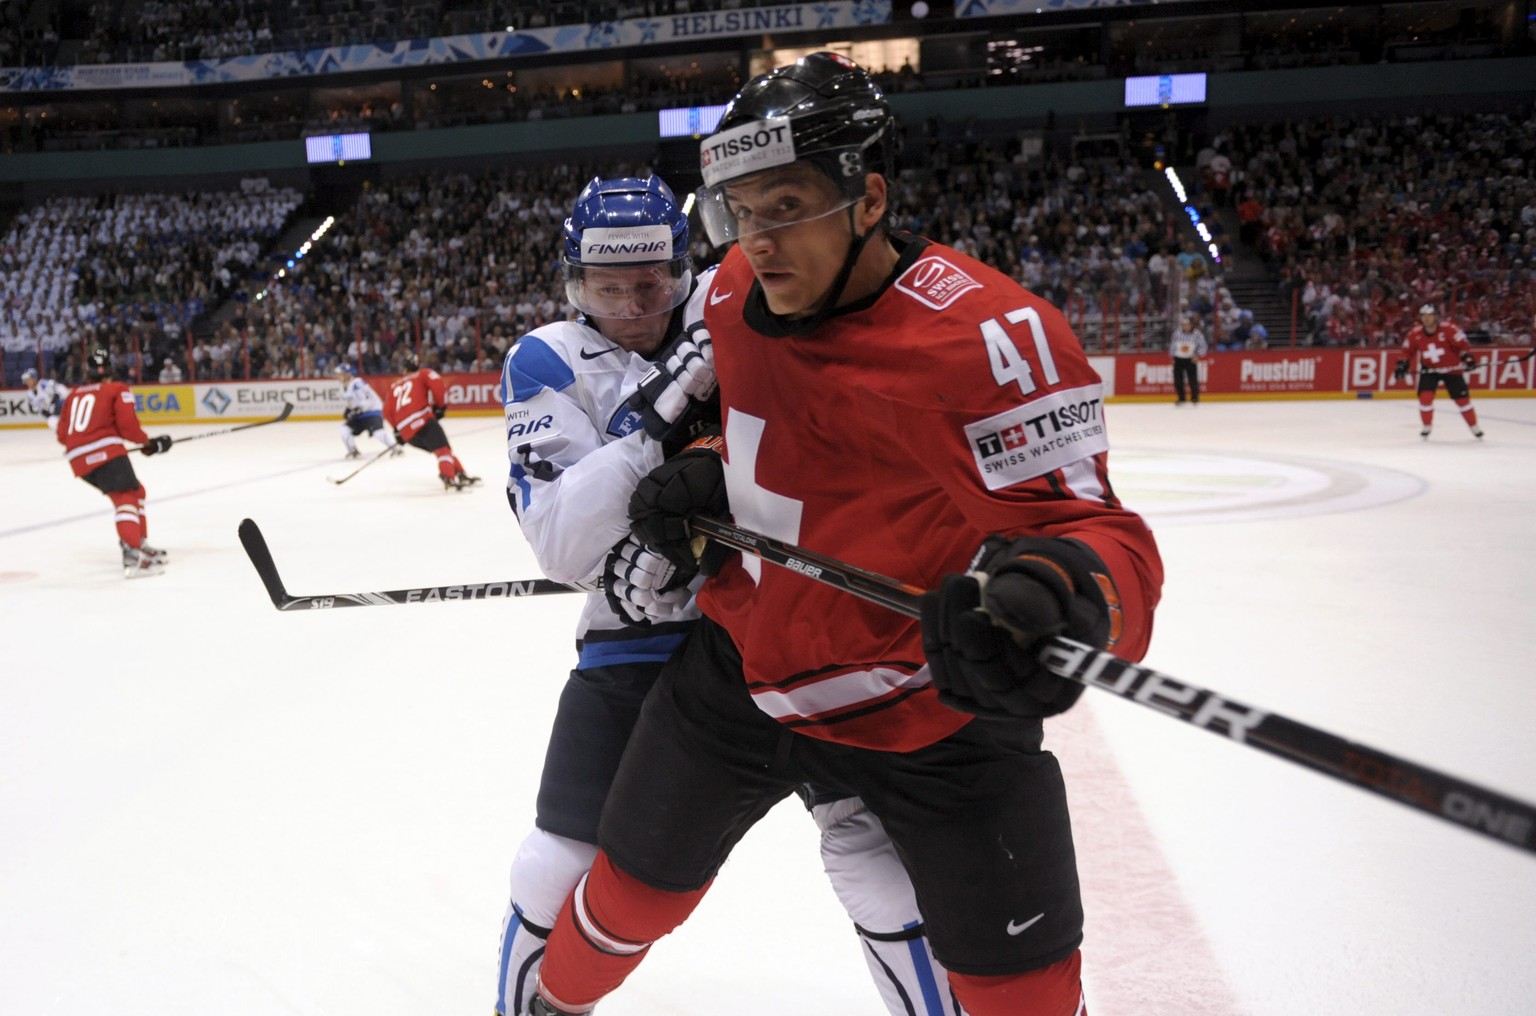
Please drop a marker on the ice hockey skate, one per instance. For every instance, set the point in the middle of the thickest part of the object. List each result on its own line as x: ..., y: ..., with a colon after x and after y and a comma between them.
x: 353, y: 453
x: 142, y: 565
x: 1424, y: 433
x: 1477, y: 432
x: 539, y: 1007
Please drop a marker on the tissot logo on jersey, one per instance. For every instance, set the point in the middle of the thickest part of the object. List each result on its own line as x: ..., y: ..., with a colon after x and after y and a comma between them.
x: 746, y: 149
x: 1039, y: 437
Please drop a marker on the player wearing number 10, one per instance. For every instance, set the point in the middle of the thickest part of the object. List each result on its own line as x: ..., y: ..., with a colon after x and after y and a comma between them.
x: 897, y: 405
x: 96, y: 422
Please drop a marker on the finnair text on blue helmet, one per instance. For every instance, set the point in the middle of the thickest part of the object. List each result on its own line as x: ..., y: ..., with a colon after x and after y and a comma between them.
x: 608, y: 245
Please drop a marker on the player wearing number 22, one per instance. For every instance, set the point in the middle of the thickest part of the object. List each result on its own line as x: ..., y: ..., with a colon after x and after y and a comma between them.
x: 902, y: 407
x: 95, y: 424
x: 416, y: 402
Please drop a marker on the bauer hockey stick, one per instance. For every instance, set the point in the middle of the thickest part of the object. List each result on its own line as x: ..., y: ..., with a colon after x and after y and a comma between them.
x: 279, y: 418
x: 261, y: 557
x: 1487, y: 812
x: 371, y: 460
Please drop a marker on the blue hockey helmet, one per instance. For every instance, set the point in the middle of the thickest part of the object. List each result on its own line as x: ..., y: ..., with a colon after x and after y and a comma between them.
x: 30, y: 374
x: 345, y: 370
x: 626, y: 249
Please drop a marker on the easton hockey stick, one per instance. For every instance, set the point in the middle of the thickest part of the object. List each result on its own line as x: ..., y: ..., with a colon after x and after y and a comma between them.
x: 371, y: 460
x: 279, y: 418
x: 1487, y: 812
x: 261, y: 557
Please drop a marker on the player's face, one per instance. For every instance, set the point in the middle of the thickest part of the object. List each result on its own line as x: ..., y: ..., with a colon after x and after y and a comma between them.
x: 791, y: 235
x: 30, y: 382
x: 1429, y: 321
x: 635, y: 292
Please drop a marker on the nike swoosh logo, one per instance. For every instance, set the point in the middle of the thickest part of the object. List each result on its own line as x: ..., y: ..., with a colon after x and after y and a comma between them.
x: 715, y: 298
x: 602, y: 352
x: 1014, y: 929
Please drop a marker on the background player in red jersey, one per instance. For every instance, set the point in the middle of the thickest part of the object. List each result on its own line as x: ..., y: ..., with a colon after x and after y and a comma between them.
x: 416, y: 402
x: 903, y: 407
x: 1443, y: 356
x: 95, y: 424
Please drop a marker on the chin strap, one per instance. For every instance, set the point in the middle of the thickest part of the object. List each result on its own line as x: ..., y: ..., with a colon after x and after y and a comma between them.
x: 806, y: 325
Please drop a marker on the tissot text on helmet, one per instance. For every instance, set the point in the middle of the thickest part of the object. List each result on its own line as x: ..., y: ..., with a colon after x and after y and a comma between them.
x: 748, y: 148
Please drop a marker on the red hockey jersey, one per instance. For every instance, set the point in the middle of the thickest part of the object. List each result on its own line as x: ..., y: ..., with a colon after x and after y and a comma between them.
x: 950, y: 406
x: 95, y: 424
x: 1439, y: 351
x: 409, y: 407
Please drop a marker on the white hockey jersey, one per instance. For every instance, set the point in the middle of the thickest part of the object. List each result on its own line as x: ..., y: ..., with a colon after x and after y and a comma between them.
x: 576, y: 453
x: 47, y: 397
x: 359, y: 395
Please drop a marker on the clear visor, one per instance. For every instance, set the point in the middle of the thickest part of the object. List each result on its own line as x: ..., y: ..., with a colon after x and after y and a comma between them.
x: 631, y: 291
x: 739, y: 209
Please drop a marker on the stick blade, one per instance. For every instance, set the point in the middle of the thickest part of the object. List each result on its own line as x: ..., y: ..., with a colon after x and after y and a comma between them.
x: 287, y: 411
x: 261, y: 559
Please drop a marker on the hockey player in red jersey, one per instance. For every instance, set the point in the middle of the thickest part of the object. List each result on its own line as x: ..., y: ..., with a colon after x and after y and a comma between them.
x: 416, y: 402
x: 95, y: 424
x: 1443, y: 356
x: 903, y: 407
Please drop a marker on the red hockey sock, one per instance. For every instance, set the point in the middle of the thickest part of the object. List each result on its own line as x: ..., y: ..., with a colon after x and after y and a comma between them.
x: 1056, y: 990
x: 1426, y: 408
x: 603, y: 932
x: 447, y: 466
x: 1467, y: 412
x: 129, y: 517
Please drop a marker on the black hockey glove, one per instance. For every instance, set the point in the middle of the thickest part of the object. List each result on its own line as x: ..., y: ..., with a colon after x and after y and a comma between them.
x: 690, y: 483
x: 678, y: 386
x: 1400, y: 372
x: 1469, y: 361
x: 983, y: 631
x: 350, y: 412
x: 157, y: 444
x: 643, y: 587
x: 438, y: 412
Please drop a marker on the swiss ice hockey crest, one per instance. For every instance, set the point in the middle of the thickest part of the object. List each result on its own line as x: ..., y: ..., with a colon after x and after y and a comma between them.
x: 935, y: 282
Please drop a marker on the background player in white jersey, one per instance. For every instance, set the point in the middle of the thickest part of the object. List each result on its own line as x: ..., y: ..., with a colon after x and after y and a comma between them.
x: 45, y: 396
x: 577, y: 447
x: 364, y: 412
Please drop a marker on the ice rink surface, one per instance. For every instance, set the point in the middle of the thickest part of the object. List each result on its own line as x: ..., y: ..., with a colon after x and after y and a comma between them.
x: 207, y: 806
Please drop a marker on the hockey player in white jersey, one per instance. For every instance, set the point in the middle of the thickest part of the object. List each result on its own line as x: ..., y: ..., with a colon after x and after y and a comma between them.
x: 45, y: 396
x: 364, y: 412
x: 577, y: 448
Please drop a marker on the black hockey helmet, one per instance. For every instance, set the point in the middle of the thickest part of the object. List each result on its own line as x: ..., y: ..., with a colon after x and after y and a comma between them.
x: 409, y: 360
x: 98, y: 365
x: 823, y: 109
